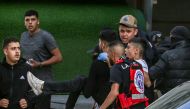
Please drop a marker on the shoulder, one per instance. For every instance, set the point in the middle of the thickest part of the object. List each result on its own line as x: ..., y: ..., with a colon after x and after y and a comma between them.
x: 1, y: 67
x: 47, y: 36
x: 2, y: 71
x: 99, y: 64
x: 134, y: 64
x: 24, y: 34
x: 120, y: 66
x: 168, y: 52
x: 115, y: 68
x: 142, y: 62
x: 45, y: 33
x: 171, y: 55
x: 142, y: 34
x: 23, y: 64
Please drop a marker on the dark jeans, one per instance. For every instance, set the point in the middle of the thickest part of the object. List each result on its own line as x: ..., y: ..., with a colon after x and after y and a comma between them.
x: 99, y: 97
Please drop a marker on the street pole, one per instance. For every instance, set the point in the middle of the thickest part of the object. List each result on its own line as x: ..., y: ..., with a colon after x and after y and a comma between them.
x: 148, y: 6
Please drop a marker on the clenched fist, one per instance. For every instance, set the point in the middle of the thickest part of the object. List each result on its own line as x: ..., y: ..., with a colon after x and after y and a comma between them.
x: 23, y: 104
x: 4, y: 103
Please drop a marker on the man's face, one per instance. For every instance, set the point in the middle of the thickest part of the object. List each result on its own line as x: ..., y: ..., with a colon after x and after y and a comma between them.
x: 12, y: 52
x: 127, y: 33
x: 131, y: 51
x: 31, y: 23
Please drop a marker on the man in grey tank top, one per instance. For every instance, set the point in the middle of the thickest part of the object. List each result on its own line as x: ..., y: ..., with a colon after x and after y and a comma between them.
x: 40, y: 50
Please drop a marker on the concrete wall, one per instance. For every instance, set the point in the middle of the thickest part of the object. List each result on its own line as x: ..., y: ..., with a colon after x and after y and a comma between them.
x: 169, y: 13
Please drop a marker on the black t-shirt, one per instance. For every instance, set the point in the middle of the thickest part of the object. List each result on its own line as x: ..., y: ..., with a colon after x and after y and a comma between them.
x: 120, y: 74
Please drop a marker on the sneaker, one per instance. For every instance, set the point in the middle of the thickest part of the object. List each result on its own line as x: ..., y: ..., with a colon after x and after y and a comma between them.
x: 35, y: 83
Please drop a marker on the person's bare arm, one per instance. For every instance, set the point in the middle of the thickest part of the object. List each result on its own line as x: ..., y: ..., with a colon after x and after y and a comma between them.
x: 57, y: 57
x: 147, y: 81
x: 111, y: 96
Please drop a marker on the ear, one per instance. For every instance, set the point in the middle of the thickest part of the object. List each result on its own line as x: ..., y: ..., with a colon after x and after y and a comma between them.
x: 126, y: 50
x: 136, y: 31
x: 38, y: 22
x: 103, y: 44
x: 24, y: 23
x: 137, y: 50
x: 5, y: 51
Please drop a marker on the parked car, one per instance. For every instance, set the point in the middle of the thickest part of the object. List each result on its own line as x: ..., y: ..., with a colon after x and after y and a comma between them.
x: 177, y: 98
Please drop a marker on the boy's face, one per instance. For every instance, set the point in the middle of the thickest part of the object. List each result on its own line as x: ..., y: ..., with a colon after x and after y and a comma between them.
x: 131, y: 51
x: 31, y: 23
x: 12, y: 52
x: 127, y: 33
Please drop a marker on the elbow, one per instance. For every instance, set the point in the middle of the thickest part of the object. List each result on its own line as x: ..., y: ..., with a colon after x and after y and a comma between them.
x: 114, y: 93
x: 60, y: 59
x: 114, y: 89
x: 148, y: 83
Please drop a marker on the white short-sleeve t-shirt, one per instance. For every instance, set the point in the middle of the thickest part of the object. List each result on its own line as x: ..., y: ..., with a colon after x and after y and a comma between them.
x: 144, y: 64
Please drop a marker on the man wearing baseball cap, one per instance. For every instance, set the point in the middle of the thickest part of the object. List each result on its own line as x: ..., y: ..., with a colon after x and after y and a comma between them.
x: 128, y: 29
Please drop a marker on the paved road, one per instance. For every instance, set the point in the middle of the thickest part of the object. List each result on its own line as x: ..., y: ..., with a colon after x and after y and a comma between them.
x: 58, y: 102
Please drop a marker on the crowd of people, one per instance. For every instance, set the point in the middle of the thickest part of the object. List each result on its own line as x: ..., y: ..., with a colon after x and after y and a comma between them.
x: 124, y: 73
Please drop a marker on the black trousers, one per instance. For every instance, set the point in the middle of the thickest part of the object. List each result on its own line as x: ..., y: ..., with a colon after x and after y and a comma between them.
x: 73, y: 85
x: 99, y: 97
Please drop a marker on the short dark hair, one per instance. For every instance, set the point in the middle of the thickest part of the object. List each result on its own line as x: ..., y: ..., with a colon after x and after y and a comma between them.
x: 9, y: 40
x: 141, y: 42
x: 108, y: 35
x: 31, y: 13
x: 115, y: 43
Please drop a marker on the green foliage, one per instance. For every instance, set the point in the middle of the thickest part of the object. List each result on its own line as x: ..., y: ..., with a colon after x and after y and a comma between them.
x: 75, y: 27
